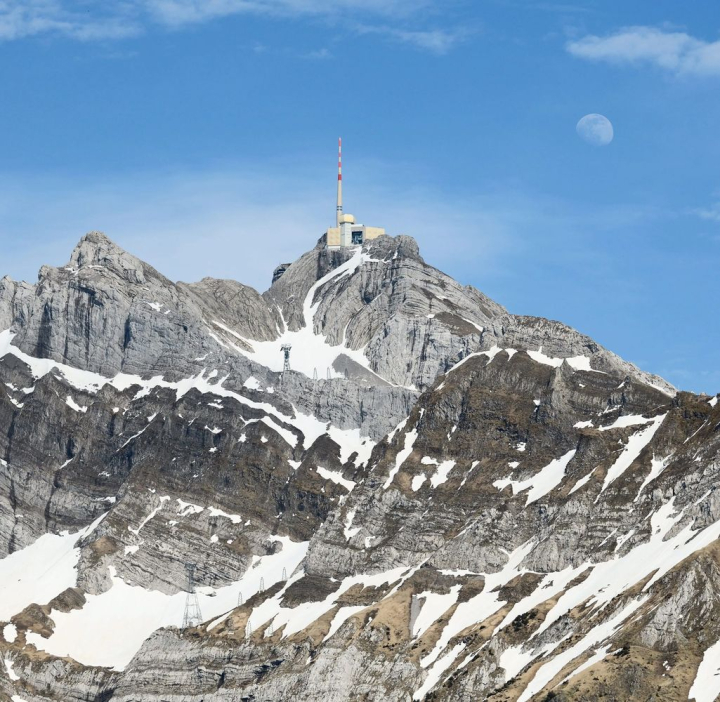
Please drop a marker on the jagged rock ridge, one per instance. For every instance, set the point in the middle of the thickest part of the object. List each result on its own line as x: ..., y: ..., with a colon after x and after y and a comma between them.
x: 440, y: 501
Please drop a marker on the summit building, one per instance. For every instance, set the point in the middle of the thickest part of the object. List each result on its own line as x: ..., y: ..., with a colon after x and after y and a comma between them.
x: 347, y: 232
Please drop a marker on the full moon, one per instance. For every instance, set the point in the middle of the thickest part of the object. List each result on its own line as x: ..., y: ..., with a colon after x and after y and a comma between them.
x: 595, y: 129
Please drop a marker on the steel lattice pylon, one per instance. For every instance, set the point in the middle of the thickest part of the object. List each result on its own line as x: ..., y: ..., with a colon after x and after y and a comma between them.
x: 192, y: 615
x: 286, y: 356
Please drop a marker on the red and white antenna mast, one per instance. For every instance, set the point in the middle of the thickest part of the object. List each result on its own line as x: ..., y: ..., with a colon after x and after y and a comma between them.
x: 339, y: 187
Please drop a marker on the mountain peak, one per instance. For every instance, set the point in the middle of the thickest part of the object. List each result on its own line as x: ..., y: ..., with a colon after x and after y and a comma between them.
x: 94, y: 247
x: 97, y: 249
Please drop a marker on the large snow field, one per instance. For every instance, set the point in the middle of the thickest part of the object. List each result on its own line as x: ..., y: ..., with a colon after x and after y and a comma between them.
x: 111, y: 627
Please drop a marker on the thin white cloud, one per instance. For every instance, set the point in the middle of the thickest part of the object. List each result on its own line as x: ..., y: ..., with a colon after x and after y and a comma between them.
x: 181, y: 12
x: 711, y: 213
x: 90, y: 20
x: 436, y: 41
x: 673, y: 51
x: 26, y: 18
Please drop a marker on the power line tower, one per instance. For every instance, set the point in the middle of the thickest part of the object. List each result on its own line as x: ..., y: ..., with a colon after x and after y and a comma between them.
x: 192, y: 616
x: 286, y: 356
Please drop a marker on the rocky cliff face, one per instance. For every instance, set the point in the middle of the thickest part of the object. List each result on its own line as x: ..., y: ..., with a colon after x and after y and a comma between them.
x: 439, y: 501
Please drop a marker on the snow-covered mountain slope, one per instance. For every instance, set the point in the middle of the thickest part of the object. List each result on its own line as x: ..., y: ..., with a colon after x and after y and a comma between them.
x: 440, y: 500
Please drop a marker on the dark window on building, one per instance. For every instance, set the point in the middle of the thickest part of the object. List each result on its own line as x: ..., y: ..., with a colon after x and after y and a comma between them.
x: 357, y: 237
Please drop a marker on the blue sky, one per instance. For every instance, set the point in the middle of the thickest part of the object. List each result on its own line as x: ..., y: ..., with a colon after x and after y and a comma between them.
x: 201, y: 135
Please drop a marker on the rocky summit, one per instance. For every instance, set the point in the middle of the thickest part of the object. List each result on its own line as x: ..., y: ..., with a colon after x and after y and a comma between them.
x: 439, y: 500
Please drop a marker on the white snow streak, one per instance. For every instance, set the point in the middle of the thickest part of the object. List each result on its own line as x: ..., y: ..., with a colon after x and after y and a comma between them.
x: 9, y: 667
x: 417, y: 481
x: 336, y: 477
x: 341, y: 616
x: 706, y: 686
x: 215, y: 512
x: 163, y: 500
x: 541, y: 483
x: 580, y: 363
x: 441, y: 474
x: 582, y: 481
x: 657, y: 467
x: 70, y: 402
x: 627, y: 420
x: 434, y: 606
x: 401, y: 456
x: 636, y: 443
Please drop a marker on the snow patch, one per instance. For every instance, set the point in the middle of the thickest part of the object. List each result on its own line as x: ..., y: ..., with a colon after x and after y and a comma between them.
x: 351, y: 441
x: 442, y: 472
x: 335, y: 477
x: 706, y: 686
x: 9, y: 633
x: 252, y: 383
x: 433, y: 607
x: 410, y: 438
x: 636, y: 443
x: 582, y: 482
x: 417, y: 481
x: 579, y: 363
x: 41, y: 571
x: 349, y: 531
x: 541, y: 483
x: 341, y: 616
x: 628, y: 420
x: 9, y: 667
x: 234, y: 518
x: 657, y: 466
x: 74, y: 405
x: 188, y: 508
